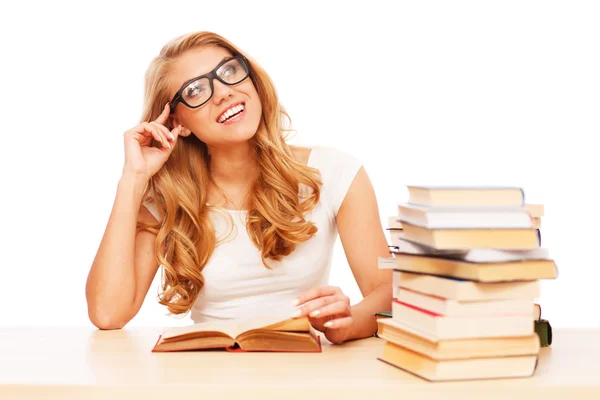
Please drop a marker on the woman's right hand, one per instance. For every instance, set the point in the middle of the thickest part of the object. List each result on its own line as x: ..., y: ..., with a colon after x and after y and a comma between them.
x: 140, y: 157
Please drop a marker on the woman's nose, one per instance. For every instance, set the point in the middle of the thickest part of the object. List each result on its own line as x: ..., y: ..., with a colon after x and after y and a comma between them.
x: 222, y: 91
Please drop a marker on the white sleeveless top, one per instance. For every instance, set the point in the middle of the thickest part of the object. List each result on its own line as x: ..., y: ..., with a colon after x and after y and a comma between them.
x: 238, y: 285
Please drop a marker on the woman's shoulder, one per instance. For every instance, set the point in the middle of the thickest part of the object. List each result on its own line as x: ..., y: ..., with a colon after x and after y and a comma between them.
x: 308, y: 154
x: 337, y: 168
x: 326, y: 157
x: 301, y: 154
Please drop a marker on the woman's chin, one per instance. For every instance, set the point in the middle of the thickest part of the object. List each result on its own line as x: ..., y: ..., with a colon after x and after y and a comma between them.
x: 240, y: 133
x: 236, y: 136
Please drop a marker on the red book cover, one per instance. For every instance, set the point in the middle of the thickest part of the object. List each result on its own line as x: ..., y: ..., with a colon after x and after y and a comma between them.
x: 430, y: 313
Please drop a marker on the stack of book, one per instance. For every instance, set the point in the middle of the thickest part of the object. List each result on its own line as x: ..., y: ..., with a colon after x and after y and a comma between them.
x: 467, y: 263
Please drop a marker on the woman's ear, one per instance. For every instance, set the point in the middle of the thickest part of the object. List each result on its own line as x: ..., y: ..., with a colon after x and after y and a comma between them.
x: 184, y: 131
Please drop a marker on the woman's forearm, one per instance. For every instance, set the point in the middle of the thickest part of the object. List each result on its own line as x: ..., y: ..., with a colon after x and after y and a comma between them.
x: 363, y: 313
x: 110, y: 287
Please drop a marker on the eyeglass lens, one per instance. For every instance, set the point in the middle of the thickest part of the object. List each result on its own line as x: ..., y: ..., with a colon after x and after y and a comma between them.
x: 199, y: 91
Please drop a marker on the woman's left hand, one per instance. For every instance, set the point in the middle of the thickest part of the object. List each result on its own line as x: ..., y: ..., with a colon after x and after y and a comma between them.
x: 328, y: 310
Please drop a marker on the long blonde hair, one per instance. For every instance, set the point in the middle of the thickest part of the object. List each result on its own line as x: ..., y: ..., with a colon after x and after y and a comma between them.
x: 185, y: 237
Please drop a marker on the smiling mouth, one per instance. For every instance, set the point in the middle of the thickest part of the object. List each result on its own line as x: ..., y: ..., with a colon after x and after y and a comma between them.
x: 231, y: 113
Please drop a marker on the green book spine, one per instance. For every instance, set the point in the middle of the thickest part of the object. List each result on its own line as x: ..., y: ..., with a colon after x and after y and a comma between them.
x: 384, y: 314
x: 544, y: 331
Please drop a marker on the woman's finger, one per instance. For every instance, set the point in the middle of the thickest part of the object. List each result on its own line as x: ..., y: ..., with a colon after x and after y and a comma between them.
x: 142, y: 138
x: 316, y: 292
x: 337, y: 323
x: 164, y: 130
x: 157, y: 134
x: 338, y: 307
x: 164, y: 115
x: 175, y: 132
x: 310, y: 307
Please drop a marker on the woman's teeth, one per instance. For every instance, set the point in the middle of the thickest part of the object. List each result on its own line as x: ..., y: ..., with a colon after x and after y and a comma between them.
x: 231, y: 112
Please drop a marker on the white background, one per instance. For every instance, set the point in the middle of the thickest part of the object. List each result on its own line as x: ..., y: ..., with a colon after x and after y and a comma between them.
x: 461, y: 92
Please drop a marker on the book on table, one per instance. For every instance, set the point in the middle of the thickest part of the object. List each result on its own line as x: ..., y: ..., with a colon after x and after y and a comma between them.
x: 466, y: 196
x: 437, y: 348
x: 484, y: 255
x: 458, y: 369
x: 463, y: 327
x: 473, y: 226
x: 464, y: 290
x: 472, y: 238
x: 464, y: 217
x: 466, y: 270
x: 474, y: 271
x: 437, y: 217
x: 458, y: 308
x: 259, y: 333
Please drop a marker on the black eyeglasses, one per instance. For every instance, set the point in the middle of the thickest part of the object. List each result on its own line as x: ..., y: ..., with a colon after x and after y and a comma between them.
x: 197, y: 91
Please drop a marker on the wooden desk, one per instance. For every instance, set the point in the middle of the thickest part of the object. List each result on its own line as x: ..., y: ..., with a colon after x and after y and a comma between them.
x: 84, y: 363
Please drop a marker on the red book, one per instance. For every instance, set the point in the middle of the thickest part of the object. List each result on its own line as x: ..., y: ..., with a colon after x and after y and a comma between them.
x: 456, y: 308
x: 437, y: 327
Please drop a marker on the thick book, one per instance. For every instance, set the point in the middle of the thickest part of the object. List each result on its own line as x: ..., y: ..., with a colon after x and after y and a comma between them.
x: 446, y: 327
x: 466, y: 196
x: 255, y: 334
x: 460, y: 369
x: 400, y: 244
x: 480, y: 272
x: 465, y: 290
x: 454, y: 308
x: 453, y: 349
x: 463, y: 218
x: 461, y: 239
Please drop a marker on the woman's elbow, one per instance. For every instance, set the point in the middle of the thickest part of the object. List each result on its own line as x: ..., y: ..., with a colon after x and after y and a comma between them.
x: 106, y: 321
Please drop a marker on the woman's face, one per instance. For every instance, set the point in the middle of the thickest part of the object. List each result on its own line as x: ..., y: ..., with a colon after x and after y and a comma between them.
x: 207, y: 122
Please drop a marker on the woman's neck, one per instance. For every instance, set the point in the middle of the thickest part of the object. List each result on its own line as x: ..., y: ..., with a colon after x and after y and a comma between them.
x: 233, y: 166
x: 233, y: 170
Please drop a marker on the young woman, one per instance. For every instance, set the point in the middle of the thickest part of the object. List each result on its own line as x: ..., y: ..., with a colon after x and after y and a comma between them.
x: 241, y: 222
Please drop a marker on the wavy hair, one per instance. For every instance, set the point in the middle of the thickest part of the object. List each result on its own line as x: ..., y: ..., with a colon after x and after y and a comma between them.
x: 185, y: 237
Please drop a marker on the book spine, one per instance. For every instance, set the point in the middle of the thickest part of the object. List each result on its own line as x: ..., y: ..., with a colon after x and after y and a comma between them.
x: 544, y: 331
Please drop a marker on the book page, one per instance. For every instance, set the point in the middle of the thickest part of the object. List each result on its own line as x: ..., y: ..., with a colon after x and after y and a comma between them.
x: 230, y: 328
x: 291, y: 325
x: 234, y: 327
x: 273, y: 320
x: 276, y: 324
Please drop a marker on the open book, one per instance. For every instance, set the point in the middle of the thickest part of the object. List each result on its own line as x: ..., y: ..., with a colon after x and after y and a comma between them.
x: 260, y: 333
